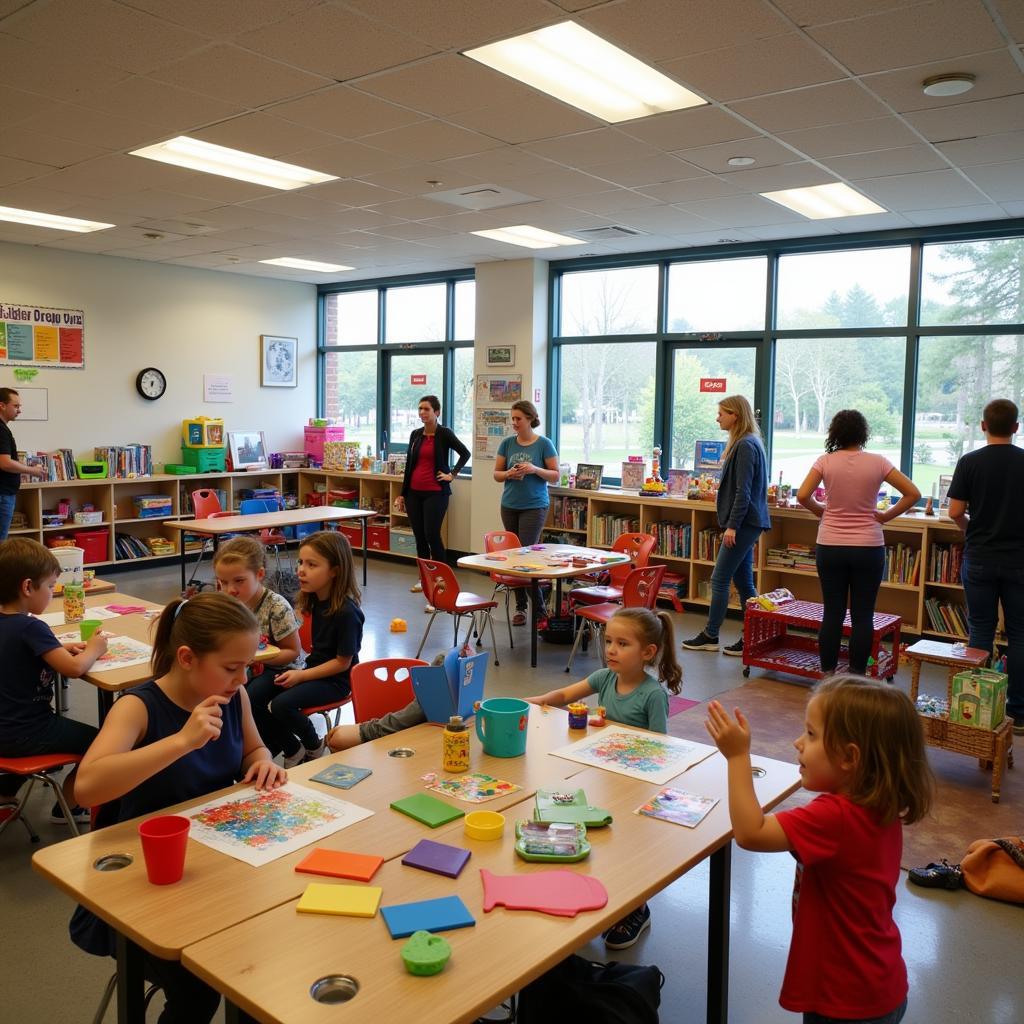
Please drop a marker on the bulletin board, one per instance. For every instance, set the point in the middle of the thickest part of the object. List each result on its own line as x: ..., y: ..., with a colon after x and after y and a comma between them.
x: 41, y: 336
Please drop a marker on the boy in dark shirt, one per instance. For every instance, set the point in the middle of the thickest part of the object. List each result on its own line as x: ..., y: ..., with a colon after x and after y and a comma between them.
x: 986, y: 498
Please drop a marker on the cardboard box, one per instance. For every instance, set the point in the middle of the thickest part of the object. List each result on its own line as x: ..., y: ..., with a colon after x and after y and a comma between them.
x: 314, y: 439
x: 979, y: 698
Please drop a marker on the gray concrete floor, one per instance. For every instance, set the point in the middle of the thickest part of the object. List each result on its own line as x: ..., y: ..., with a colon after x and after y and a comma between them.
x: 963, y: 953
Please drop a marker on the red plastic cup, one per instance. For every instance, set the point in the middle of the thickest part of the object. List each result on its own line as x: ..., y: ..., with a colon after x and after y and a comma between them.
x: 163, y: 847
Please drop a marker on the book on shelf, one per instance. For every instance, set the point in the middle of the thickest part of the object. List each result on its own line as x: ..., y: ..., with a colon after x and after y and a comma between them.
x: 608, y: 525
x: 673, y: 539
x: 569, y: 513
x: 709, y: 540
x: 944, y: 562
x: 946, y: 617
x: 902, y: 564
x: 125, y: 461
x: 59, y: 464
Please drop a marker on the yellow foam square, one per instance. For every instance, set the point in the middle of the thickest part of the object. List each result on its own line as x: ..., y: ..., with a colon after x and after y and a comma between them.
x: 347, y: 900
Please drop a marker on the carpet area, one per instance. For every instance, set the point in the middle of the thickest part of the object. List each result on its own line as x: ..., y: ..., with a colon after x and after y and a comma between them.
x: 962, y: 812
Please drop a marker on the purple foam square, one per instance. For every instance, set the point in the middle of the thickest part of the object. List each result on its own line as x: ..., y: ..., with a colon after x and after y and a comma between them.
x: 440, y: 858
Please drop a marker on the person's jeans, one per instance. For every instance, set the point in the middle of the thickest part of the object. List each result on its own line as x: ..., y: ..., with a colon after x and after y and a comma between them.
x: 526, y: 524
x: 7, y: 502
x: 854, y: 572
x: 985, y: 588
x: 887, y: 1018
x: 278, y: 715
x: 733, y: 565
x: 426, y: 510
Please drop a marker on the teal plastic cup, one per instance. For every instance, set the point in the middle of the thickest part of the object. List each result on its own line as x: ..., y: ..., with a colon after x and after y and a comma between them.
x: 501, y: 726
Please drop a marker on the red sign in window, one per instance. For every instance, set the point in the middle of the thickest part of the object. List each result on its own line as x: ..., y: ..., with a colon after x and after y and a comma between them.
x: 418, y: 380
x: 713, y: 384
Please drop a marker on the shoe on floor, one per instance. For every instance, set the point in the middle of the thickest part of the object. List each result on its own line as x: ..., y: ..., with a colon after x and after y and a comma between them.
x: 80, y: 815
x: 624, y: 933
x: 702, y: 642
x: 416, y: 588
x: 733, y: 650
x: 428, y: 609
x: 1018, y: 730
x: 519, y: 619
x: 291, y: 760
x: 942, y: 875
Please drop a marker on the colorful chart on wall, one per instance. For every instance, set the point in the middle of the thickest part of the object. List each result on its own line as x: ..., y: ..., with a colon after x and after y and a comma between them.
x: 41, y: 336
x: 640, y: 755
x: 258, y: 828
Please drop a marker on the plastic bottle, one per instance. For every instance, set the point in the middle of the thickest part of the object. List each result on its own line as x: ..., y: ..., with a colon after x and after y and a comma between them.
x: 74, y: 602
x: 455, y: 745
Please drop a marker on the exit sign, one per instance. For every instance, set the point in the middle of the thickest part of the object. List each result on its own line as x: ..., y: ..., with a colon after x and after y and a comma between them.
x: 713, y: 384
x: 418, y: 380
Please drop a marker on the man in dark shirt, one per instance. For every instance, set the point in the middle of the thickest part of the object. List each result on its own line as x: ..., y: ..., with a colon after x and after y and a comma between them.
x: 10, y: 468
x: 986, y: 500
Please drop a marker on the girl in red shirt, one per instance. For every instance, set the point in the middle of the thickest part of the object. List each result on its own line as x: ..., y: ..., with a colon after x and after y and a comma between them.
x: 863, y: 750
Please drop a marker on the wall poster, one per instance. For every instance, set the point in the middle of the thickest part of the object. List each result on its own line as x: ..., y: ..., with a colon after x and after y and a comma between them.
x: 41, y: 336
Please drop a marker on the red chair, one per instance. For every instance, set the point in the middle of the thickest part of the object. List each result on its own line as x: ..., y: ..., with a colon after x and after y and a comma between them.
x: 269, y: 538
x: 33, y: 769
x: 441, y: 589
x: 505, y: 540
x: 639, y: 547
x: 379, y: 687
x: 306, y: 642
x: 205, y: 505
x: 639, y: 591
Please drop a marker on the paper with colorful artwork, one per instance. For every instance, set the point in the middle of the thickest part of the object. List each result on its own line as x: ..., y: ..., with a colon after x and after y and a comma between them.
x: 122, y: 652
x: 678, y: 807
x: 258, y: 828
x: 57, y: 618
x: 640, y: 755
x: 474, y: 787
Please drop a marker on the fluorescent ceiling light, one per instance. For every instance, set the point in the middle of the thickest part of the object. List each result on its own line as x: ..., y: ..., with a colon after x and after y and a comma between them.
x: 575, y: 66
x: 296, y: 264
x: 528, y: 236
x: 231, y: 163
x: 50, y: 220
x: 822, y: 201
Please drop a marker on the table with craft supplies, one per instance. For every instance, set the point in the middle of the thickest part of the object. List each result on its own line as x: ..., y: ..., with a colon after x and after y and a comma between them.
x: 93, y: 586
x: 217, y: 528
x: 504, y: 949
x: 543, y: 562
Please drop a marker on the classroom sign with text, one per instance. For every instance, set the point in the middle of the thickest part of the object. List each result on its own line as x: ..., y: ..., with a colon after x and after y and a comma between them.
x: 41, y: 336
x: 713, y: 385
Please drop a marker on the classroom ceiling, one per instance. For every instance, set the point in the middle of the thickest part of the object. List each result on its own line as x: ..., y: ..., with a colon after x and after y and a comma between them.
x: 377, y: 93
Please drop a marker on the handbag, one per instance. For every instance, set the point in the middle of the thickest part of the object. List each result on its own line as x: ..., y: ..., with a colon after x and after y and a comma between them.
x: 994, y: 868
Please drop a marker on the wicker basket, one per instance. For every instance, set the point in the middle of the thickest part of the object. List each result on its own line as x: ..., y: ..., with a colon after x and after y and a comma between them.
x: 962, y: 739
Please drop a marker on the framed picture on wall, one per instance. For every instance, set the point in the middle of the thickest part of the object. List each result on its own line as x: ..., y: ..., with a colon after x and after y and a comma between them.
x: 501, y: 355
x: 248, y: 449
x: 279, y: 361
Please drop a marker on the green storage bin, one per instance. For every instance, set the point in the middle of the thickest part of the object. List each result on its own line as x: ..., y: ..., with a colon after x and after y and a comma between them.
x: 178, y: 470
x: 204, y: 460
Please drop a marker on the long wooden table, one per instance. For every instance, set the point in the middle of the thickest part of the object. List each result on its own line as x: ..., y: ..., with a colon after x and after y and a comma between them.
x: 93, y: 586
x: 216, y: 528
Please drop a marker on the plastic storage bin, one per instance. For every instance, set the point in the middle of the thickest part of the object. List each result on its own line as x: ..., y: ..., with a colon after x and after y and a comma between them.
x: 204, y: 460
x: 403, y: 542
x: 354, y: 533
x: 94, y: 543
x: 70, y: 560
x: 378, y: 535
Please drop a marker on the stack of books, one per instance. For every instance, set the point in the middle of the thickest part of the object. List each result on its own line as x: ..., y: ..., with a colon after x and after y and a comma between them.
x: 126, y: 461
x: 608, y: 526
x: 944, y: 563
x: 127, y: 546
x: 902, y: 564
x: 160, y: 545
x: 59, y: 465
x: 569, y: 513
x: 673, y: 538
x: 152, y: 506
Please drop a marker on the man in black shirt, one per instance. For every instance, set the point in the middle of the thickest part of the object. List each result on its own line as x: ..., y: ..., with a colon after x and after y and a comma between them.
x: 10, y: 468
x: 986, y: 500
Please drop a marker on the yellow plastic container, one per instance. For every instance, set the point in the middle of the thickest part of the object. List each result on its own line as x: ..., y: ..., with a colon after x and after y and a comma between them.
x: 202, y: 432
x: 485, y: 825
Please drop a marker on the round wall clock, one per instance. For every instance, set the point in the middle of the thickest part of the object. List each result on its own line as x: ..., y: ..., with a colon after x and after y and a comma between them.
x: 151, y: 383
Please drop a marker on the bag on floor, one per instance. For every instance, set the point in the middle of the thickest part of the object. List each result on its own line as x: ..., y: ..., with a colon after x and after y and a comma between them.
x: 578, y: 989
x: 995, y: 868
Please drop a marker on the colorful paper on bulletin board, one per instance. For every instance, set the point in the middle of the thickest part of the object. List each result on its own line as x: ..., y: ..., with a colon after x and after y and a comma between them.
x: 258, y: 828
x: 474, y: 788
x: 42, y: 336
x: 640, y: 755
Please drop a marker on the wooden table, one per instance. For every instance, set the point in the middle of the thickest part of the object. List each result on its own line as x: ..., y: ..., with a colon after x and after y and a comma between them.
x: 216, y: 528
x: 93, y: 586
x: 505, y: 949
x: 990, y: 746
x: 542, y: 562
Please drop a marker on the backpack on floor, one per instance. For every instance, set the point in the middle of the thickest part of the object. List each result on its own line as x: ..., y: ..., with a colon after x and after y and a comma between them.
x: 995, y: 868
x: 578, y: 989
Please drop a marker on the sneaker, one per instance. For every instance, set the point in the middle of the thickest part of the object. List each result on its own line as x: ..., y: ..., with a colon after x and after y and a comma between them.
x: 519, y: 619
x: 429, y: 609
x: 416, y: 588
x: 624, y: 934
x: 312, y: 755
x: 942, y: 875
x: 701, y: 642
x: 80, y: 815
x: 291, y: 760
x: 733, y: 650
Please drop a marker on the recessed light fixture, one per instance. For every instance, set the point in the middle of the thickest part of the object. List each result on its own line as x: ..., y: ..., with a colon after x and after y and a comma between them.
x: 948, y: 85
x: 297, y: 264
x: 231, y: 163
x: 574, y: 65
x: 740, y: 161
x: 528, y: 236
x: 820, y: 202
x: 50, y: 220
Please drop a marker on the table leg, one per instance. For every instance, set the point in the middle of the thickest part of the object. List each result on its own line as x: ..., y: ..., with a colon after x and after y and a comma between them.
x: 718, y: 935
x: 534, y: 602
x: 232, y: 1015
x: 364, y: 550
x: 131, y: 982
x: 558, y: 596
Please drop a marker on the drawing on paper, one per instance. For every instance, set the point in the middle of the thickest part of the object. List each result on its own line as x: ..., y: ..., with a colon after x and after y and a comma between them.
x: 122, y: 651
x: 474, y: 788
x: 678, y: 807
x: 640, y: 755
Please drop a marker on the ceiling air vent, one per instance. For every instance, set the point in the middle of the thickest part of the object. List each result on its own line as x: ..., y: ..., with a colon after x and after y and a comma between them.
x: 480, y: 197
x: 614, y: 231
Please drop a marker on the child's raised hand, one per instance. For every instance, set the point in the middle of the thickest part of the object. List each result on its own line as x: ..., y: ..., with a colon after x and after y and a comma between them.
x: 204, y: 724
x: 266, y: 775
x: 731, y: 735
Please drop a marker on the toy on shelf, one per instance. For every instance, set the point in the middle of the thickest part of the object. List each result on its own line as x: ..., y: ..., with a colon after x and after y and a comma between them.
x: 202, y: 432
x: 654, y: 486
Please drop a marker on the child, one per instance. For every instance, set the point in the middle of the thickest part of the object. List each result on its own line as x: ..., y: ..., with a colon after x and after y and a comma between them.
x: 188, y: 732
x: 330, y: 595
x: 863, y: 750
x: 31, y: 656
x: 240, y: 566
x: 632, y: 696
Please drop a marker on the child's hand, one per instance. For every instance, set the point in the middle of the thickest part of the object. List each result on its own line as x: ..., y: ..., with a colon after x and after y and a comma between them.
x: 536, y: 700
x: 731, y: 736
x: 204, y: 724
x: 74, y: 647
x: 97, y: 644
x: 286, y: 680
x: 266, y: 775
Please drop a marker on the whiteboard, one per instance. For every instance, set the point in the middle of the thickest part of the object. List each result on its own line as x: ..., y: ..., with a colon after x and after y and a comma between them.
x: 34, y: 404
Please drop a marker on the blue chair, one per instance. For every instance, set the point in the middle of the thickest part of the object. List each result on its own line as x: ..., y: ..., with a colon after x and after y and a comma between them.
x: 268, y: 538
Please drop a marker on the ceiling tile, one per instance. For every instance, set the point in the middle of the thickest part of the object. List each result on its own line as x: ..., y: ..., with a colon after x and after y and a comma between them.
x: 645, y: 171
x: 989, y: 149
x: 413, y: 231
x: 415, y: 180
x: 1001, y: 182
x: 12, y: 171
x: 407, y: 209
x: 743, y: 211
x: 852, y: 137
x: 967, y: 120
x: 766, y: 152
x: 808, y: 108
x: 664, y: 220
x: 685, y: 129
x: 587, y: 149
x: 557, y: 184
x: 43, y: 148
x: 348, y: 159
x: 925, y: 191
x: 65, y: 79
x: 1012, y: 14
x: 708, y: 187
x: 905, y: 160
x: 612, y: 202
x: 818, y: 12
x: 769, y: 179
x: 345, y: 112
x: 31, y: 195
x: 955, y: 215
x: 99, y: 129
x: 524, y: 120
x: 334, y: 42
x: 224, y: 18
x: 431, y: 140
x: 756, y: 67
x: 353, y: 193
x: 143, y: 99
x: 296, y: 204
x: 264, y: 135
x: 234, y: 75
x: 909, y: 35
x: 356, y: 220
x: 17, y: 105
x: 496, y: 164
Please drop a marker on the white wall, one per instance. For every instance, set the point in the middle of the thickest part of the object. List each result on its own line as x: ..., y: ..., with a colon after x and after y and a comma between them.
x: 183, y: 320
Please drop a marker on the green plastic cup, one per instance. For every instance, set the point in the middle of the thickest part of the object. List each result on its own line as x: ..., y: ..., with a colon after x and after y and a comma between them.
x: 88, y: 627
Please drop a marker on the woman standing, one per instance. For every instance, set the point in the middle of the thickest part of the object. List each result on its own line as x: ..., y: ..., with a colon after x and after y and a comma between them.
x: 850, y: 552
x: 743, y: 511
x: 526, y: 464
x: 427, y: 484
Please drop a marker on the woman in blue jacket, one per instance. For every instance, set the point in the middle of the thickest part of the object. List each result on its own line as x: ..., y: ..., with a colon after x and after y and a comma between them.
x: 742, y: 512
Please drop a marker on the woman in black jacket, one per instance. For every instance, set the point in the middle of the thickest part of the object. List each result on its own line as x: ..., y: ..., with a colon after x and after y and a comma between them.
x: 428, y: 477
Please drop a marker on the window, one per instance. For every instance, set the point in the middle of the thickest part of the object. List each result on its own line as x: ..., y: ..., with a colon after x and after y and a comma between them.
x: 973, y: 282
x: 350, y: 394
x: 460, y: 414
x: 603, y: 302
x: 857, y: 288
x: 351, y: 318
x: 412, y: 377
x: 717, y: 295
x: 415, y: 314
x: 465, y: 310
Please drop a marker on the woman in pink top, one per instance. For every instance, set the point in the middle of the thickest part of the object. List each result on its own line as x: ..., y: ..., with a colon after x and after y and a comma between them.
x: 850, y: 551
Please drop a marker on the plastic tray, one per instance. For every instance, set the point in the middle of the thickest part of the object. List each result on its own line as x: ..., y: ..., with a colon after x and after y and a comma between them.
x: 556, y: 858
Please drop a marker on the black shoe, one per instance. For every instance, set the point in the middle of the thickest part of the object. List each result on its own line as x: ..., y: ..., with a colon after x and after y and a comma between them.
x: 938, y: 876
x: 702, y: 642
x: 734, y: 650
x: 80, y: 815
x: 624, y: 933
